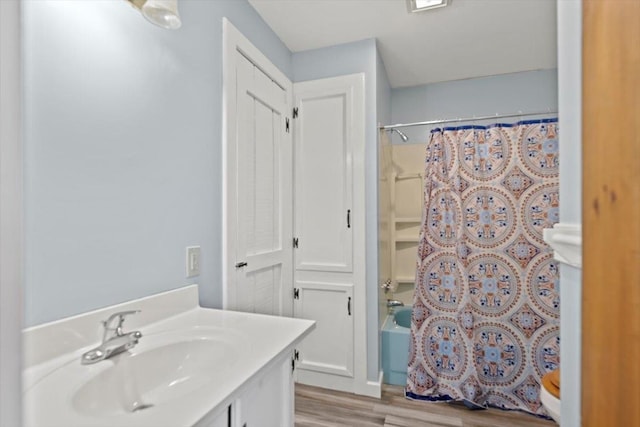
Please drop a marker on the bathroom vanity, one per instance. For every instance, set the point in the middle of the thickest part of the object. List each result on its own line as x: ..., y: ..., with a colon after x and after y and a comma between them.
x: 191, y: 367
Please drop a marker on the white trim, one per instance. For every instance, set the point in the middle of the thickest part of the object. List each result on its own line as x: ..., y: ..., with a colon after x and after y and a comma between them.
x: 11, y: 233
x: 234, y: 41
x: 357, y: 81
x: 566, y: 241
x: 373, y: 388
x: 335, y: 382
x: 569, y: 20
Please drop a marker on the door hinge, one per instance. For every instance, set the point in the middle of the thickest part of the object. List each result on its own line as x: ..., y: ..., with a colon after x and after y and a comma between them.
x: 295, y: 242
x: 286, y: 124
x: 296, y: 355
x: 295, y: 113
x: 296, y: 293
x: 241, y: 264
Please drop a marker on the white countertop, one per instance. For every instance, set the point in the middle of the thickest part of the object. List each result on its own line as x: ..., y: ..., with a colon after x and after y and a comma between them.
x: 258, y: 341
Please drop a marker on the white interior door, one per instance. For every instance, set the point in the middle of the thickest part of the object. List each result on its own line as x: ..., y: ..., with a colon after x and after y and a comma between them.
x: 257, y: 189
x: 263, y: 258
x: 329, y: 227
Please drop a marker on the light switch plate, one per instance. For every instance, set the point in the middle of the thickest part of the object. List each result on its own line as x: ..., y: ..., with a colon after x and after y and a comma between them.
x: 193, y: 261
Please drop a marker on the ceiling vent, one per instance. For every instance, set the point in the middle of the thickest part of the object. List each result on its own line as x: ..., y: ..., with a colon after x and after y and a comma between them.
x: 422, y: 5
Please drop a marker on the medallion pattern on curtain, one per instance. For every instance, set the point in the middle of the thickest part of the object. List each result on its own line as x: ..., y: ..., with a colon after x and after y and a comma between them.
x: 485, y: 324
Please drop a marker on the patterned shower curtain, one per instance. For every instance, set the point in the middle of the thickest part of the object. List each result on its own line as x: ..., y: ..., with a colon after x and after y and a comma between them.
x: 485, y: 324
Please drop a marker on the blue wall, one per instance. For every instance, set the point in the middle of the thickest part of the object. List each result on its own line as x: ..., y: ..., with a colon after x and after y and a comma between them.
x: 507, y: 93
x: 340, y: 60
x: 123, y: 150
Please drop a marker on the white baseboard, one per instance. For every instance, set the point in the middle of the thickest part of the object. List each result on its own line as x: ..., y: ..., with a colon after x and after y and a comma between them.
x: 372, y: 388
x: 328, y: 381
x: 335, y: 382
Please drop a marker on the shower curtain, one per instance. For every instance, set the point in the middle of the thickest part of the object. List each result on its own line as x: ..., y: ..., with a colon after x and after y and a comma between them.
x: 485, y: 324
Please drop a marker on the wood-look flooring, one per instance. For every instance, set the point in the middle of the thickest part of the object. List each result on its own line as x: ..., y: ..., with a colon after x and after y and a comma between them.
x: 317, y: 407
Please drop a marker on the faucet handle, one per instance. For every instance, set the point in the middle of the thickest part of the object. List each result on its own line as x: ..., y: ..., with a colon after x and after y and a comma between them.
x: 120, y: 316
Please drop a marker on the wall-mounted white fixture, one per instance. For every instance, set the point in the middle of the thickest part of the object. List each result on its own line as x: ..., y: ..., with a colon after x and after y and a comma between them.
x: 422, y: 5
x: 163, y: 13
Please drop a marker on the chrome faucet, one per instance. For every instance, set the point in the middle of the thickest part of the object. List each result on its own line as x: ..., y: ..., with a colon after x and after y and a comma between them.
x: 114, y: 340
x: 391, y: 303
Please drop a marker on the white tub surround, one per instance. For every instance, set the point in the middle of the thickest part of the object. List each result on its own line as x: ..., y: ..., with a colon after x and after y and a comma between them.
x: 193, y: 366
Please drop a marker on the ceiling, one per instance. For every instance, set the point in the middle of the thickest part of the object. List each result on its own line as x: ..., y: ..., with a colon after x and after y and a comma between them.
x: 468, y: 38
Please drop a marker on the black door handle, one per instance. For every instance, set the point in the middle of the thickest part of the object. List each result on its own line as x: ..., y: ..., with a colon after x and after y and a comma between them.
x: 241, y: 264
x: 349, y: 306
x: 348, y: 218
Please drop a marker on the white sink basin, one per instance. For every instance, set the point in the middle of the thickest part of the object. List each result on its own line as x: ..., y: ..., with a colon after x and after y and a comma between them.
x: 162, y: 369
x: 145, y: 379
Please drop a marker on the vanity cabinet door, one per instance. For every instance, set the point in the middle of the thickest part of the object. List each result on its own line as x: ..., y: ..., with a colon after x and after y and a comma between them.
x: 269, y: 400
x: 222, y: 420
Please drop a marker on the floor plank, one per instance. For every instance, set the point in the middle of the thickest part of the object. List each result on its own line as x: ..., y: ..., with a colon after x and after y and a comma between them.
x: 392, y: 420
x: 317, y: 407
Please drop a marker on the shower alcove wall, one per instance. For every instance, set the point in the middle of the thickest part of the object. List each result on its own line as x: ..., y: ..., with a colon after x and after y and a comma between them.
x: 406, y: 188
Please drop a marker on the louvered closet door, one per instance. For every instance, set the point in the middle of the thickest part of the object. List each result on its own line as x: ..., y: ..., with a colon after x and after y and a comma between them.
x: 264, y: 193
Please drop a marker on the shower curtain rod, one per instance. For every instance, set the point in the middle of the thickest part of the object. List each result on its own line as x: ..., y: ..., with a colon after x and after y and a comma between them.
x: 465, y: 119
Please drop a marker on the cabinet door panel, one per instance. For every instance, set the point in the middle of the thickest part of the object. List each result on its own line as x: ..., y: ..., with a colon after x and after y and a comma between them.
x: 268, y: 402
x: 323, y: 179
x: 329, y: 348
x: 221, y: 420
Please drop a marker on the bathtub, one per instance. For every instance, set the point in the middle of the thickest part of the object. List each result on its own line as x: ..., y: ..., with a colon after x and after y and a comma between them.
x: 395, y: 346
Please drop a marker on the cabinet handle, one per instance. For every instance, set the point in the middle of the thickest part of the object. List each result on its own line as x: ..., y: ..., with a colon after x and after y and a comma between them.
x: 349, y: 306
x: 348, y: 218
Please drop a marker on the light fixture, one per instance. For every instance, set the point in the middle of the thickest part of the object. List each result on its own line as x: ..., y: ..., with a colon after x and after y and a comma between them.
x: 422, y: 5
x: 163, y: 13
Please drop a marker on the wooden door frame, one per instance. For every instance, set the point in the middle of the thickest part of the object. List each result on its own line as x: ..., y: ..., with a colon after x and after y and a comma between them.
x: 611, y: 213
x: 234, y: 41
